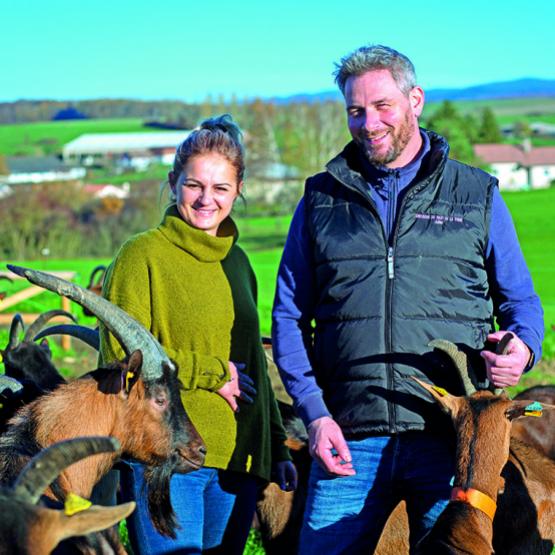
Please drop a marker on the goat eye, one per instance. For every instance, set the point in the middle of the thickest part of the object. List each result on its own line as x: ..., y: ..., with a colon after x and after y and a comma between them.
x: 160, y: 401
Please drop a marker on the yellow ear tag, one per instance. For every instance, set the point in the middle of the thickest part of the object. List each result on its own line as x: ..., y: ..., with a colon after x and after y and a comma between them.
x: 128, y: 377
x: 249, y: 462
x: 75, y: 504
x: 536, y: 413
x: 440, y: 390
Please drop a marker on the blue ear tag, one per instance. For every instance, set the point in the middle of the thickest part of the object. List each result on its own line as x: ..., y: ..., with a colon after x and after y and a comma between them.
x: 533, y: 409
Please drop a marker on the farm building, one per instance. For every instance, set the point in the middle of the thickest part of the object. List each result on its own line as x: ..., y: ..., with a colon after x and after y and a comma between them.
x: 126, y: 150
x: 519, y: 167
x: 108, y: 190
x: 29, y: 169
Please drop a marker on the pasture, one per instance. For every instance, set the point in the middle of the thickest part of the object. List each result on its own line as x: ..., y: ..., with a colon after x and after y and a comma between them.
x: 32, y: 139
x: 263, y: 239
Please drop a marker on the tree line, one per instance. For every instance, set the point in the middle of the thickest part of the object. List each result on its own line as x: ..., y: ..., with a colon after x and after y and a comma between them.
x: 301, y: 135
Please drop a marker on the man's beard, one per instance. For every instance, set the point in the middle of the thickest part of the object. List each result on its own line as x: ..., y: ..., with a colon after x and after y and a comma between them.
x: 400, y: 139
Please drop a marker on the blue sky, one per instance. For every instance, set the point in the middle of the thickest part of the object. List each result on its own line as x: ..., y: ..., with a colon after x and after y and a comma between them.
x: 185, y: 50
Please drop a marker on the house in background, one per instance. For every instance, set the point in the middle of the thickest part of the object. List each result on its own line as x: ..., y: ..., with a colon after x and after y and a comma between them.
x: 519, y: 167
x: 124, y: 150
x: 18, y: 170
x: 107, y: 191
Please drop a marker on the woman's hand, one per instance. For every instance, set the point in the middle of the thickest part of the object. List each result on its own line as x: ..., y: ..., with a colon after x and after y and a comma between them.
x: 240, y: 386
x: 284, y: 474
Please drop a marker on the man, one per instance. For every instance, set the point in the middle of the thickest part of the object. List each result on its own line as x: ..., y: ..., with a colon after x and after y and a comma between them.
x: 394, y: 245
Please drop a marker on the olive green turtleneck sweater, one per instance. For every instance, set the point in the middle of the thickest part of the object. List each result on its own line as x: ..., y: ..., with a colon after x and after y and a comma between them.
x: 196, y: 293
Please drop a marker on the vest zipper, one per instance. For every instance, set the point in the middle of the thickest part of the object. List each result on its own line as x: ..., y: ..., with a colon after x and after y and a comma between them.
x: 390, y: 265
x: 391, y: 226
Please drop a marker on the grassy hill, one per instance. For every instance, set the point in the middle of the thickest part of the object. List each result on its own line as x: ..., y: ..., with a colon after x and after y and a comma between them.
x: 38, y: 139
x: 506, y: 110
x: 263, y: 238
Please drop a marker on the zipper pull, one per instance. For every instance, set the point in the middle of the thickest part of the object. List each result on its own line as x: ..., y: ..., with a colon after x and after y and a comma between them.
x: 390, y: 268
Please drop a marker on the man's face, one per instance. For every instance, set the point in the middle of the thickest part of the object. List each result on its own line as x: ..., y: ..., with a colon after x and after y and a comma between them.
x: 383, y: 120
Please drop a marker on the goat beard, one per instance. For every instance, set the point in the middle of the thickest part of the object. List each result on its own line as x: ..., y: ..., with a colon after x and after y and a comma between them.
x: 158, y: 493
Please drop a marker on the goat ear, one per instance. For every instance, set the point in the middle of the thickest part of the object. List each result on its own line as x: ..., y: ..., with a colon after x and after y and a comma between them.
x: 520, y: 408
x: 133, y: 370
x: 46, y: 348
x: 447, y: 402
x: 93, y: 519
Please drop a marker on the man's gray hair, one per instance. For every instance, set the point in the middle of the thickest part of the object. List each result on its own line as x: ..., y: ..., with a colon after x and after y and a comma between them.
x: 373, y: 57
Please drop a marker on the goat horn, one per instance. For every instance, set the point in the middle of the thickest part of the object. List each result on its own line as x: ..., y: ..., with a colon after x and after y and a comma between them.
x: 41, y: 321
x: 45, y: 467
x: 98, y: 270
x: 131, y: 335
x: 460, y: 360
x: 87, y: 335
x: 7, y: 382
x: 15, y: 328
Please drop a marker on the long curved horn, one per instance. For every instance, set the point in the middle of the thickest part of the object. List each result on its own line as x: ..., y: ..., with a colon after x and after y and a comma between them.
x: 461, y: 362
x: 15, y: 328
x: 101, y: 270
x: 87, y: 335
x: 41, y: 321
x: 131, y: 335
x: 45, y: 467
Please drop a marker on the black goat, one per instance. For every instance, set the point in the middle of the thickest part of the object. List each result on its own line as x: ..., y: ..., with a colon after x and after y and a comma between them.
x: 29, y: 363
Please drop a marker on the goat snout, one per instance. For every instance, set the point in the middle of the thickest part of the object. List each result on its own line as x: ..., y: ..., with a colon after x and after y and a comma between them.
x: 190, y: 456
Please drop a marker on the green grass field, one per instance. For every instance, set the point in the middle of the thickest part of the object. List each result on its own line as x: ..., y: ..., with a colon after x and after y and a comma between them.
x: 506, y: 110
x: 263, y: 239
x: 36, y: 139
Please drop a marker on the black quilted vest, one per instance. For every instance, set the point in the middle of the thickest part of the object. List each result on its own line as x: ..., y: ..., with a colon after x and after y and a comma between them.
x: 379, y: 304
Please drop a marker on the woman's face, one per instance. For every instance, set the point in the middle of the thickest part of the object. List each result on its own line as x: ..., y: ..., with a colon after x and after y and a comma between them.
x: 205, y: 191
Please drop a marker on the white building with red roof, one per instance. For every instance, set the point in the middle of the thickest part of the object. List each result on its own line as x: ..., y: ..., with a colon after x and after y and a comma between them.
x: 519, y: 167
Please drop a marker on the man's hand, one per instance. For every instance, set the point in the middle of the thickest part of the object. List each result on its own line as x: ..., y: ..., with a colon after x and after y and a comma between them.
x: 329, y: 448
x: 240, y: 386
x: 504, y: 370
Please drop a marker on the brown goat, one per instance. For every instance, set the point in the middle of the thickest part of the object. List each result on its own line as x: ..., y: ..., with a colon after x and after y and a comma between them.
x: 137, y: 401
x: 28, y: 528
x: 96, y: 279
x: 476, y: 520
x: 528, y: 504
x: 483, y: 425
x: 538, y: 432
x: 3, y: 294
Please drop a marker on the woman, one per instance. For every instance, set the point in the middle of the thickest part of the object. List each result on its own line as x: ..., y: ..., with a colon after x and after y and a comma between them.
x: 189, y: 283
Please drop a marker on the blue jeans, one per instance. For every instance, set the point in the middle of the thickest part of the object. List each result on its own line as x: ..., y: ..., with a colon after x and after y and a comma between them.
x: 214, y: 509
x: 347, y: 514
